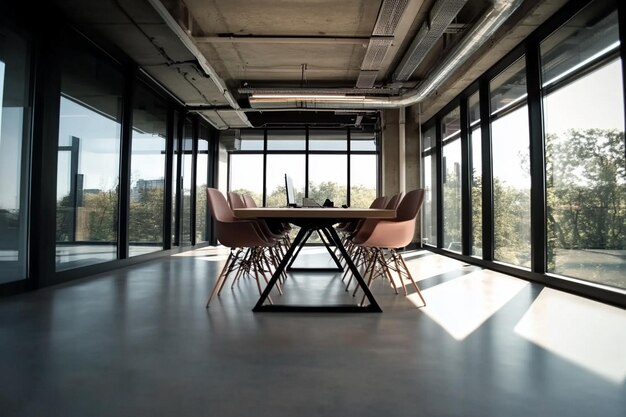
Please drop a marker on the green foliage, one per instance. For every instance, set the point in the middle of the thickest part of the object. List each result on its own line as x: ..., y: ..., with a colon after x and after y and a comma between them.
x: 586, y: 190
x: 146, y: 217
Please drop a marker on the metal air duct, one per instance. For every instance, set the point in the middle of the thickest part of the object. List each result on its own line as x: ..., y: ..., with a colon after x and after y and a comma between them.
x: 486, y: 26
x: 439, y: 18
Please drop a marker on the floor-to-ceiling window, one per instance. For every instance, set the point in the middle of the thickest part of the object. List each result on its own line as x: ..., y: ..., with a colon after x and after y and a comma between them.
x: 147, y: 173
x: 15, y: 114
x: 186, y: 172
x: 332, y: 164
x: 555, y: 108
x: 476, y: 180
x: 585, y: 171
x: 88, y: 158
x: 202, y: 172
x: 510, y: 162
x: 451, y: 165
x: 363, y: 168
x: 429, y: 183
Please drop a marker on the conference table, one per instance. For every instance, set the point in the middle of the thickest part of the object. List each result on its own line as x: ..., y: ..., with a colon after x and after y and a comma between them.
x: 322, y: 221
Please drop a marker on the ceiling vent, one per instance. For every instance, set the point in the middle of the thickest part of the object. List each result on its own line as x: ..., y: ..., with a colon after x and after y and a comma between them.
x: 366, y: 79
x: 440, y: 17
x: 375, y: 54
x: 388, y: 17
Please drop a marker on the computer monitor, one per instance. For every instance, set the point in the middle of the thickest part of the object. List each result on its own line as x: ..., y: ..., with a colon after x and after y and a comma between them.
x: 290, y: 191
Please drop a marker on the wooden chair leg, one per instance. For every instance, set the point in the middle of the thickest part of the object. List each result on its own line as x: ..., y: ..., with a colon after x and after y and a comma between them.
x: 221, y: 278
x: 406, y: 268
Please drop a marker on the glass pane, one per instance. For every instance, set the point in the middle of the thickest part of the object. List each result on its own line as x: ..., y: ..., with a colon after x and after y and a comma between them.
x: 14, y: 168
x: 202, y: 171
x: 88, y: 164
x: 586, y: 178
x: 451, y: 124
x: 328, y: 140
x: 452, y: 196
x: 328, y: 178
x: 175, y: 185
x: 511, y: 188
x: 509, y: 87
x: 251, y: 140
x: 277, y: 167
x: 474, y: 108
x: 147, y: 179
x: 186, y: 180
x: 362, y: 141
x: 246, y: 176
x: 363, y: 175
x: 477, y: 193
x: 429, y: 211
x: 286, y: 140
x: 588, y: 35
x: 429, y: 139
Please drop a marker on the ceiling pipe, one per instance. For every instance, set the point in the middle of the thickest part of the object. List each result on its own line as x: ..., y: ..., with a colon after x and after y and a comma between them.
x: 476, y: 37
x: 191, y: 46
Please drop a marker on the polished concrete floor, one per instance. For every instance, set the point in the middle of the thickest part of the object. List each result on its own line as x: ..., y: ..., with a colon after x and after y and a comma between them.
x: 139, y: 342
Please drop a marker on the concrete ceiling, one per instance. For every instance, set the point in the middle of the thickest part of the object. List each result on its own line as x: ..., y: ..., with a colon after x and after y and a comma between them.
x: 209, y: 53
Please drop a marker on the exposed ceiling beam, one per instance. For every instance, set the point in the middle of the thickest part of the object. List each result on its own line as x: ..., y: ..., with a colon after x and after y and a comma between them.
x: 255, y: 39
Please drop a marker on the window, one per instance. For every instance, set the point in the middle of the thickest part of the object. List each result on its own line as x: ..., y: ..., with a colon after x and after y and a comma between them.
x: 585, y: 170
x: 261, y: 173
x: 277, y: 166
x: 202, y: 175
x: 429, y: 175
x: 14, y: 145
x: 451, y: 136
x: 511, y: 177
x: 88, y: 159
x: 246, y: 175
x: 476, y: 172
x: 328, y: 140
x: 363, y: 180
x: 147, y: 178
x: 286, y: 140
x: 187, y: 169
x: 362, y: 141
x: 328, y: 178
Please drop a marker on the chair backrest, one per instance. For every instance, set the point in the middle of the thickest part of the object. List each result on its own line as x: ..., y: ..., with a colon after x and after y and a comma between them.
x: 410, y: 205
x: 399, y: 232
x: 235, y: 200
x: 394, y: 201
x: 379, y: 203
x: 218, y: 206
x: 249, y: 201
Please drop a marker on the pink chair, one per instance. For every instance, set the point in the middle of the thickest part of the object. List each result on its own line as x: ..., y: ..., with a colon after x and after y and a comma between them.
x: 362, y: 232
x: 389, y: 235
x: 241, y: 236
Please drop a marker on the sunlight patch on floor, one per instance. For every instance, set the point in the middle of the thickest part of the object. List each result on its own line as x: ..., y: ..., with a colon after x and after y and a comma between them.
x: 214, y: 252
x: 429, y: 266
x: 585, y: 332
x: 463, y: 304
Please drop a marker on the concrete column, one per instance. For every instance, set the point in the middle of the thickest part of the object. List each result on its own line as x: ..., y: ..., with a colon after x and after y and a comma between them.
x: 401, y: 150
x: 390, y: 154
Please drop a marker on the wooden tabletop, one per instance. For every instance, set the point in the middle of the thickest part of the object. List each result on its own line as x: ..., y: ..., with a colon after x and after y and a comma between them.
x: 313, y: 213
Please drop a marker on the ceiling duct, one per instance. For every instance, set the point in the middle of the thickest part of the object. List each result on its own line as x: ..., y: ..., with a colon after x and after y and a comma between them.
x: 476, y: 37
x: 375, y: 54
x: 440, y: 17
x: 366, y: 79
x: 388, y: 17
x: 387, y: 21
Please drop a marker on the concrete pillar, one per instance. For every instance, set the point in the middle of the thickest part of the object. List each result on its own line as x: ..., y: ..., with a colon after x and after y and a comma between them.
x: 401, y: 150
x: 390, y: 154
